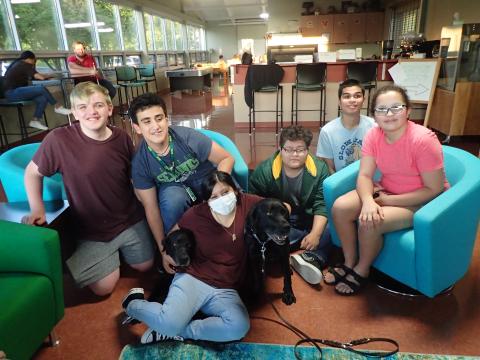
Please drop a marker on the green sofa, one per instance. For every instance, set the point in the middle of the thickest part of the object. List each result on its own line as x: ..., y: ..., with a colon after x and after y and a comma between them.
x: 31, y: 287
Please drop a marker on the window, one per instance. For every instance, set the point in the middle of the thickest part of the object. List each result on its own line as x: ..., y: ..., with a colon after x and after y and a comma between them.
x: 112, y: 61
x: 404, y: 19
x: 170, y: 34
x: 133, y: 60
x: 129, y: 28
x: 178, y: 36
x: 104, y: 12
x: 162, y: 60
x: 158, y: 23
x: 6, y: 36
x: 77, y: 22
x: 37, y: 25
x: 148, y: 22
x: 4, y: 64
x: 48, y: 65
x: 193, y: 38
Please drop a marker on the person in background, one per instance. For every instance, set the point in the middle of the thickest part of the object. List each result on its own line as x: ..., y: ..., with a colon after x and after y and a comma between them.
x: 16, y: 86
x: 94, y: 160
x: 410, y: 159
x: 295, y: 177
x: 83, y: 67
x: 340, y: 140
x: 211, y: 283
x: 170, y: 164
x: 221, y: 63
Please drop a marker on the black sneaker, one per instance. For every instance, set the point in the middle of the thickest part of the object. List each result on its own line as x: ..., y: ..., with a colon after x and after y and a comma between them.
x: 308, y: 267
x: 151, y: 336
x: 133, y: 294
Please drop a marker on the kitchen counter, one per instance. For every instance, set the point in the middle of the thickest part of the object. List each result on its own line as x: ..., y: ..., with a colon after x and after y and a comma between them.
x: 336, y: 73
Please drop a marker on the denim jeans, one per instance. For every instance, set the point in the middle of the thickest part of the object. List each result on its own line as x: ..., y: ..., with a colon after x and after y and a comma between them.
x: 227, y: 317
x: 173, y: 201
x: 40, y: 95
x: 324, y: 246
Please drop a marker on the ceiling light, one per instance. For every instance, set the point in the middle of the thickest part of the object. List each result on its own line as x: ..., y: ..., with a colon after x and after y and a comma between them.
x: 105, y: 30
x: 77, y: 25
x: 264, y: 15
x: 24, y: 1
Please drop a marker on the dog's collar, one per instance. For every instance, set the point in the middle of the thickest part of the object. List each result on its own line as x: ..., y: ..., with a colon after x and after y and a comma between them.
x: 263, y: 245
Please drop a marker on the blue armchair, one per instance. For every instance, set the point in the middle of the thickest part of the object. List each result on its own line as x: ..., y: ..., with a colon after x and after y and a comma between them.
x: 12, y: 170
x: 437, y: 251
x: 240, y: 169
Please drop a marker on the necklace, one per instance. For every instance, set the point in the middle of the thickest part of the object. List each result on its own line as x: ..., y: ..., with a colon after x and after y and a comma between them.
x: 232, y: 234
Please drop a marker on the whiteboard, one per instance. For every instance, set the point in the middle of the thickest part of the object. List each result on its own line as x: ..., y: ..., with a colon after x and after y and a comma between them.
x: 417, y: 76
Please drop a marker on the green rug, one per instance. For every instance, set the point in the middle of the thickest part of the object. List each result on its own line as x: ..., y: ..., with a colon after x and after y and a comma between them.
x: 253, y: 351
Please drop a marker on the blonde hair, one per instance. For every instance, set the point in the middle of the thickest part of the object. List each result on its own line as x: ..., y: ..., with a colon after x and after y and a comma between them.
x: 86, y: 89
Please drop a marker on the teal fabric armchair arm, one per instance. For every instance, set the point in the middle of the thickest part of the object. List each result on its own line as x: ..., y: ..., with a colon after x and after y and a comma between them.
x: 31, y: 287
x: 240, y: 168
x: 436, y: 253
x: 12, y: 170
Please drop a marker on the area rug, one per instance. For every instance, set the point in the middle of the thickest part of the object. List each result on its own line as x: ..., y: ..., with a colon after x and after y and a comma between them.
x: 253, y: 351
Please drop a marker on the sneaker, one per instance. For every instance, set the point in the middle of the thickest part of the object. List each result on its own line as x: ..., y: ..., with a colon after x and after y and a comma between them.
x: 308, y: 267
x: 133, y: 294
x: 151, y: 336
x: 63, y: 111
x: 37, y: 125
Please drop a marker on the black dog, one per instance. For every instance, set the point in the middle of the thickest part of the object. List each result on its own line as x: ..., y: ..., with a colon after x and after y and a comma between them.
x: 180, y: 246
x: 266, y: 236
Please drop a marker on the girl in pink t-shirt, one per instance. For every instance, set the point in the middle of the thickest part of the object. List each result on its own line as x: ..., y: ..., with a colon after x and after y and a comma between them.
x: 410, y: 159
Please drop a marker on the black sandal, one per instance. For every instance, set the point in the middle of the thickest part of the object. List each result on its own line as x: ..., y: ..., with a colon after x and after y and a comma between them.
x: 338, y: 277
x: 354, y: 286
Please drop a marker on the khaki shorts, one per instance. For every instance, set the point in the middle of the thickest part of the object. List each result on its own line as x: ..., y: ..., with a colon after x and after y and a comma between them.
x: 94, y: 260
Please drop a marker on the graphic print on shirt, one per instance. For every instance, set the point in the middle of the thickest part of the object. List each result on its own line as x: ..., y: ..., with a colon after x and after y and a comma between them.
x: 350, y: 151
x: 180, y: 172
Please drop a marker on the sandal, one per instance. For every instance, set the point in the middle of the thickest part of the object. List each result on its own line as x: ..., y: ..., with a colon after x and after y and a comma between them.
x: 336, y: 274
x: 356, y: 286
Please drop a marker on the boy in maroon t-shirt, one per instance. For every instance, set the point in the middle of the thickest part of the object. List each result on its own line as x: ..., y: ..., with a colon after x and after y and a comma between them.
x: 94, y: 160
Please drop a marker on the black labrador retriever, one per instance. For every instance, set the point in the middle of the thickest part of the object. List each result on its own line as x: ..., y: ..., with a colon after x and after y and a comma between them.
x: 266, y: 236
x: 180, y: 245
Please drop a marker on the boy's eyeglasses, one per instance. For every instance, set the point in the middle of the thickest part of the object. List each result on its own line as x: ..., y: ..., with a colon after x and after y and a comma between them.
x: 299, y: 151
x: 395, y: 109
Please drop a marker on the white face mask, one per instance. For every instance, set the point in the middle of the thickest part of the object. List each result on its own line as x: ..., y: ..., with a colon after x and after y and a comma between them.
x: 225, y: 204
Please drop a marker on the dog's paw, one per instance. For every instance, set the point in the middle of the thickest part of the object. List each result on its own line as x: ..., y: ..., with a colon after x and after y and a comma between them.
x: 288, y: 298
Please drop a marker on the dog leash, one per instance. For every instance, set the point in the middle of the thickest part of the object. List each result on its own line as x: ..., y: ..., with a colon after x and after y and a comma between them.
x: 349, y: 346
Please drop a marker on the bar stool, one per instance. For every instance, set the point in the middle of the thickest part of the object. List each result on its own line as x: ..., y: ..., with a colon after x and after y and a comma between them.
x: 310, y: 77
x: 264, y: 79
x: 366, y: 74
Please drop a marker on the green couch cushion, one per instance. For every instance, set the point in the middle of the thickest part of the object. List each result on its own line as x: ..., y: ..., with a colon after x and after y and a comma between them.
x: 28, y: 313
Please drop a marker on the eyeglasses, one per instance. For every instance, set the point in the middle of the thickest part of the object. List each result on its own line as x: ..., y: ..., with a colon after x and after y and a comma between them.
x: 395, y: 109
x: 299, y: 151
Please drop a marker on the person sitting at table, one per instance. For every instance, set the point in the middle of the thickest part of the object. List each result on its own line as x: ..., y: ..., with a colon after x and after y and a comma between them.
x: 221, y: 63
x: 83, y: 67
x: 17, y: 88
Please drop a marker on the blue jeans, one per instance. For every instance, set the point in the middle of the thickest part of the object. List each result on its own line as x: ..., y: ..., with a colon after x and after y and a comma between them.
x: 227, y: 318
x: 173, y: 201
x: 324, y: 246
x: 40, y: 95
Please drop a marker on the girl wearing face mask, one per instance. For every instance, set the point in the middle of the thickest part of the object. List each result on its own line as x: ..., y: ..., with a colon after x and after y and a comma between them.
x: 217, y: 271
x: 410, y: 159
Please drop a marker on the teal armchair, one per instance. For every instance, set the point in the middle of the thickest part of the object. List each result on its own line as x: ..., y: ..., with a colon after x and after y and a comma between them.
x: 437, y: 252
x: 31, y: 287
x: 240, y: 168
x: 12, y: 170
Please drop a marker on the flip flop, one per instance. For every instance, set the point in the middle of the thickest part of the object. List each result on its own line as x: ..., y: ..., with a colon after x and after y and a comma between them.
x: 336, y: 274
x: 354, y: 286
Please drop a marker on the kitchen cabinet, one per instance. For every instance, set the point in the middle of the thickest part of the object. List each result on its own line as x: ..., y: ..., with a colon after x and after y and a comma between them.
x: 316, y: 25
x: 349, y: 28
x: 374, y: 27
